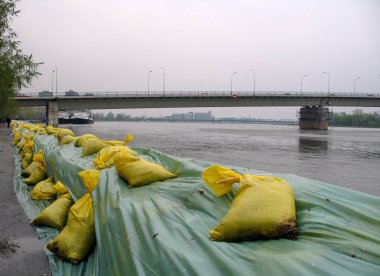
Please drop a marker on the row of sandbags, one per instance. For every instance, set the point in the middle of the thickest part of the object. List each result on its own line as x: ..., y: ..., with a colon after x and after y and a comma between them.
x: 264, y: 206
x: 77, y: 238
x: 76, y: 220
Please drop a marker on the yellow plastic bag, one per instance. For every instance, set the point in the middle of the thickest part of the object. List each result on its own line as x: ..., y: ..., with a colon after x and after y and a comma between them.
x: 27, y: 160
x: 64, y: 132
x: 22, y: 142
x: 264, y: 208
x: 105, y: 157
x: 82, y: 139
x: 77, y: 239
x: 220, y: 179
x: 30, y: 169
x: 90, y: 179
x: 60, y: 188
x: 28, y: 147
x: 44, y: 190
x: 37, y: 175
x: 138, y: 172
x: 92, y: 146
x: 39, y: 157
x: 66, y: 139
x: 51, y: 130
x: 127, y: 139
x: 55, y: 215
x: 17, y: 137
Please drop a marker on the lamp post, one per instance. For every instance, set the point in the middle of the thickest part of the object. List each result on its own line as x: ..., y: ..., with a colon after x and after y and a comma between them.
x: 254, y: 80
x: 302, y: 80
x: 150, y: 71
x: 358, y: 78
x: 233, y: 74
x: 328, y: 82
x: 56, y: 80
x: 163, y: 88
x: 52, y: 82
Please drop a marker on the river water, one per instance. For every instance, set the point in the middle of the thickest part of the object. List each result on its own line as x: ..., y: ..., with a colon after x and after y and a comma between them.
x: 347, y: 157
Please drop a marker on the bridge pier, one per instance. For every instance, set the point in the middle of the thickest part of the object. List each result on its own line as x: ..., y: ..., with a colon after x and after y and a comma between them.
x: 52, y: 113
x: 314, y: 117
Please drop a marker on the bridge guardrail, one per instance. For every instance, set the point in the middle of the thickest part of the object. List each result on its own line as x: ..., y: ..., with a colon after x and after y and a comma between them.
x: 202, y: 94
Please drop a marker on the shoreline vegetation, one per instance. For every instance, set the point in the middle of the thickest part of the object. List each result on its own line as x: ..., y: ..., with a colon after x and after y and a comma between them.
x: 357, y: 119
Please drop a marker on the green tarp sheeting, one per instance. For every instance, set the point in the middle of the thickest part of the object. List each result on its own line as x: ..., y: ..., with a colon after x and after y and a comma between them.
x: 163, y: 228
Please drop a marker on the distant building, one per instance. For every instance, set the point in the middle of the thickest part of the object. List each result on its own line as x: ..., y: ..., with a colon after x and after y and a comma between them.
x: 202, y: 116
x: 191, y: 116
x: 45, y: 94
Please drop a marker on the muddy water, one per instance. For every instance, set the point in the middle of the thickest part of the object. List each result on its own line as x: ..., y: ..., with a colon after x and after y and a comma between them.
x: 348, y: 157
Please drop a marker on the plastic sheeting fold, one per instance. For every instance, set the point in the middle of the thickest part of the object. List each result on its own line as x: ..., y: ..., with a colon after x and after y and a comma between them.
x: 163, y: 228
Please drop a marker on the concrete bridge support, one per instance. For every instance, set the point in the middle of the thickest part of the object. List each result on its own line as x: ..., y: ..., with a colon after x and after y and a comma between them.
x: 314, y: 117
x: 52, y: 113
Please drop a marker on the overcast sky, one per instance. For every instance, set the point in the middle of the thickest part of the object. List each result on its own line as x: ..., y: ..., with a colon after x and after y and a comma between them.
x: 111, y: 45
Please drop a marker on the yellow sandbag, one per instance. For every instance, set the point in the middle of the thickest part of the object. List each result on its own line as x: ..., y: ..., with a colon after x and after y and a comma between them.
x: 22, y: 142
x: 82, y: 139
x: 105, y: 157
x: 39, y: 157
x: 55, y: 215
x: 37, y: 175
x: 64, y: 132
x: 30, y: 169
x: 92, y: 145
x: 77, y: 239
x: 38, y: 160
x: 17, y: 137
x: 28, y: 147
x: 44, y: 190
x: 67, y: 139
x: 264, y: 208
x: 41, y: 130
x: 27, y: 160
x: 127, y: 139
x: 90, y: 179
x: 51, y: 130
x: 138, y: 172
x: 60, y: 188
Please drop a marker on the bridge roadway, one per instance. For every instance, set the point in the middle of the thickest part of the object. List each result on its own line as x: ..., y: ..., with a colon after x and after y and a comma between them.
x: 173, y: 99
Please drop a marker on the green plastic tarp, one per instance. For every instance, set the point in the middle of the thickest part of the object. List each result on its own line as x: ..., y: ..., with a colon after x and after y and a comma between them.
x: 163, y: 228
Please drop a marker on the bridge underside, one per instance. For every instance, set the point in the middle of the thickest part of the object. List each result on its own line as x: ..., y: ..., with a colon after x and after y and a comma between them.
x: 314, y: 114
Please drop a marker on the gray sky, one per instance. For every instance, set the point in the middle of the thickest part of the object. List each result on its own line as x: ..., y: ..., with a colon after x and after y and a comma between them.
x: 111, y: 45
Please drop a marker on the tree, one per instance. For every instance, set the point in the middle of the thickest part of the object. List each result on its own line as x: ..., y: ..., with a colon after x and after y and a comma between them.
x: 17, y: 70
x: 110, y: 116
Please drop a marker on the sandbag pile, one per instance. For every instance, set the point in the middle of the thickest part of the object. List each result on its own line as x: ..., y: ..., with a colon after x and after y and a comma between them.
x: 263, y: 208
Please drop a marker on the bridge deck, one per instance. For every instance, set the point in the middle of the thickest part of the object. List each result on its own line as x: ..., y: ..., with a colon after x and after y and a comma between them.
x: 171, y: 99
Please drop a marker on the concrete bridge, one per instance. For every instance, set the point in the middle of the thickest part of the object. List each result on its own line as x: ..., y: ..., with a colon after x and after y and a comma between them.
x: 313, y: 115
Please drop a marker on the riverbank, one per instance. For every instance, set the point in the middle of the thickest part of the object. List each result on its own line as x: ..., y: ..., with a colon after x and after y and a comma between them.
x: 132, y: 225
x: 21, y: 253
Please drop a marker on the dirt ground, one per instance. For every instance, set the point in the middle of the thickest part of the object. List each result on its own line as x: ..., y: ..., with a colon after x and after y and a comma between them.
x: 21, y: 253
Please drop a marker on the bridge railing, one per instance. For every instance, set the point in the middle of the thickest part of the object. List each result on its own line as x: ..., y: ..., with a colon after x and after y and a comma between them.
x: 201, y: 94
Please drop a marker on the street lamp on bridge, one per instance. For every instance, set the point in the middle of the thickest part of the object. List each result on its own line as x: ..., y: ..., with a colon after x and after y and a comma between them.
x: 328, y: 82
x: 52, y: 82
x: 150, y: 71
x: 302, y: 80
x: 56, y: 81
x: 254, y: 80
x: 163, y: 88
x: 358, y: 78
x: 233, y: 74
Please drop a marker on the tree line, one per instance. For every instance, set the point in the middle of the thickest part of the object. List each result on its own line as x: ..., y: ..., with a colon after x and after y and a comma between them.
x: 358, y: 119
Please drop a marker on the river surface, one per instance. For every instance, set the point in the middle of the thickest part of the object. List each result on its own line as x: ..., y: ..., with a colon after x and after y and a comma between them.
x: 347, y: 157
